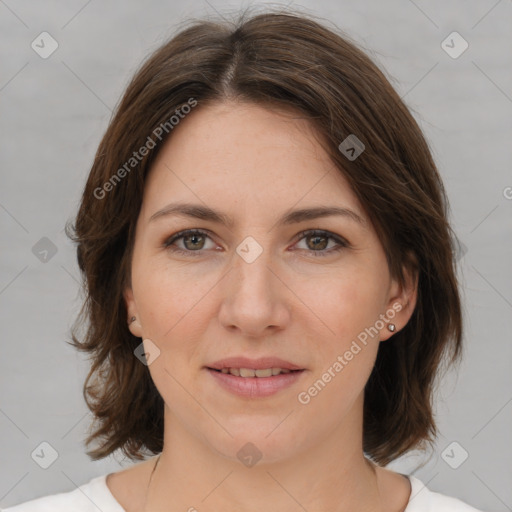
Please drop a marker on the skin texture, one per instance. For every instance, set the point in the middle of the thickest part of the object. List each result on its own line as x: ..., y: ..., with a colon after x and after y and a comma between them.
x: 255, y: 164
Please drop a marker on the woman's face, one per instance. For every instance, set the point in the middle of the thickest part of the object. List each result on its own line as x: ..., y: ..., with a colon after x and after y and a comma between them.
x: 256, y: 286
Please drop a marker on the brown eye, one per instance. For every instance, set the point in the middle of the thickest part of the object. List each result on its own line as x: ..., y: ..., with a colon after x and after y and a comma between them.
x: 318, y: 241
x: 194, y: 241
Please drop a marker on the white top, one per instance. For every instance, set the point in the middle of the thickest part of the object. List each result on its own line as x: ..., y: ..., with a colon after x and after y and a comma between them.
x: 95, y: 495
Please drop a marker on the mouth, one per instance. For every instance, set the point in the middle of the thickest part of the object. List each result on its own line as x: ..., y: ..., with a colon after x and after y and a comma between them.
x: 251, y: 379
x: 251, y: 373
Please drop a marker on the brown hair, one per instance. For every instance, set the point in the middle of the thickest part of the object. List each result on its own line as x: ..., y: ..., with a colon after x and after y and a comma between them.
x: 281, y: 60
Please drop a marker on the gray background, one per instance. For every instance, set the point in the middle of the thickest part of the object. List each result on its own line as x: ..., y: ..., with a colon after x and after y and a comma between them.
x: 53, y: 114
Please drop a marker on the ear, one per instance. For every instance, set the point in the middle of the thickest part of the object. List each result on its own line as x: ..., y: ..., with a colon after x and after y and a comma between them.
x: 134, y: 325
x: 402, y: 299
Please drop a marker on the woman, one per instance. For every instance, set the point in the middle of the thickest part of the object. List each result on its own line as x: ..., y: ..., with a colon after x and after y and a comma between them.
x: 271, y: 280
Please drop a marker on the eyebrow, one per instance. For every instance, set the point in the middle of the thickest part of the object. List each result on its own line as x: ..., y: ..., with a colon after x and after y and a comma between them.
x: 206, y: 213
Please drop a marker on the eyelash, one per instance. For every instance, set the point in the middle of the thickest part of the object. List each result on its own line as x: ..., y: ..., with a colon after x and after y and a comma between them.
x: 342, y: 244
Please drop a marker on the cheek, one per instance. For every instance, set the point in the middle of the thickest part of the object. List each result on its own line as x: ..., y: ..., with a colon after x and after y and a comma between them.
x: 174, y: 309
x: 343, y: 363
x: 345, y: 346
x: 172, y: 301
x: 346, y: 304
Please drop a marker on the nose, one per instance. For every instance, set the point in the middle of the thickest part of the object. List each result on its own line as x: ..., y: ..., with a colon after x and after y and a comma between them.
x: 254, y: 298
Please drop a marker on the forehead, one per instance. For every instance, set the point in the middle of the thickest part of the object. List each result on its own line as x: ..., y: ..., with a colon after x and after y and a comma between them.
x: 228, y: 154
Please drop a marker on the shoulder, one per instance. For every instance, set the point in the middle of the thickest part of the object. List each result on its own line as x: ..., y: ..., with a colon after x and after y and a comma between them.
x: 89, y: 497
x: 424, y: 500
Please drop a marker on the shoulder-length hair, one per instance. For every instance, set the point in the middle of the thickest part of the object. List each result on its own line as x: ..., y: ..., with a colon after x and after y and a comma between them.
x: 280, y: 60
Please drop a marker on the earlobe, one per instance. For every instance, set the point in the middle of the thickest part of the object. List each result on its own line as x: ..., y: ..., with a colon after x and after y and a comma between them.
x: 135, y: 327
x: 403, y: 301
x: 392, y: 320
x: 133, y: 322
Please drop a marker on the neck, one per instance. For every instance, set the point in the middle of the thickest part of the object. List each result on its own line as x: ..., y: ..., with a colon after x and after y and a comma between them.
x: 332, y: 476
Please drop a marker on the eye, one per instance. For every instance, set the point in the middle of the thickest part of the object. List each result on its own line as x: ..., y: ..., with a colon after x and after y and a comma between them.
x: 193, y: 239
x: 194, y: 242
x: 320, y: 241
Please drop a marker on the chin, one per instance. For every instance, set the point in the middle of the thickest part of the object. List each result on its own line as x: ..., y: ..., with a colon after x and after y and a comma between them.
x: 266, y: 443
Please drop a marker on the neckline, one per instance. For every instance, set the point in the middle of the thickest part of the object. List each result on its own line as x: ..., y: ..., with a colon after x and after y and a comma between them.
x: 417, y: 486
x: 418, y: 500
x: 108, y: 499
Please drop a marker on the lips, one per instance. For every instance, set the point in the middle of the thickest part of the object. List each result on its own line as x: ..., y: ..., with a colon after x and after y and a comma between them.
x: 255, y: 378
x: 263, y: 363
x: 252, y: 373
